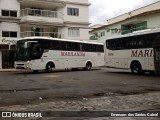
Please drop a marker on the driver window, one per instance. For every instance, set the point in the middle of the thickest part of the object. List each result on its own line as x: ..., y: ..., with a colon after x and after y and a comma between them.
x: 36, y: 50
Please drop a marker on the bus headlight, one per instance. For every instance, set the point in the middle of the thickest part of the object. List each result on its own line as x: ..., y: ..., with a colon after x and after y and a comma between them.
x: 27, y: 64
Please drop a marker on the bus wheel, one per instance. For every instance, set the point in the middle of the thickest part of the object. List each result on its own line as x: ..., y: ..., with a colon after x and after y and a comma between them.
x: 136, y: 68
x: 88, y: 66
x: 49, y: 67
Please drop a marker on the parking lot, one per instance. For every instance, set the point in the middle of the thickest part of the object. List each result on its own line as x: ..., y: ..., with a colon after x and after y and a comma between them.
x: 122, y: 89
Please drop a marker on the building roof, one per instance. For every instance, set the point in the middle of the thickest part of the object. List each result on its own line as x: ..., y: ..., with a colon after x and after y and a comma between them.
x: 149, y: 9
x: 96, y: 26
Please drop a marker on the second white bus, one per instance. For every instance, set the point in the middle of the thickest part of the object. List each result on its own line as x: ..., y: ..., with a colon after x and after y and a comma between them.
x: 44, y: 53
x: 132, y: 51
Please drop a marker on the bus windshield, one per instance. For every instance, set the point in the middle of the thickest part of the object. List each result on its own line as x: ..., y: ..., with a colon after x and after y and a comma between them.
x: 28, y: 50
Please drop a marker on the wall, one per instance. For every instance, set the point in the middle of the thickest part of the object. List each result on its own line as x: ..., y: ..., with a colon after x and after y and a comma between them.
x: 83, y: 14
x: 5, y: 26
x: 8, y: 26
x: 10, y: 5
x: 151, y: 7
x: 152, y: 22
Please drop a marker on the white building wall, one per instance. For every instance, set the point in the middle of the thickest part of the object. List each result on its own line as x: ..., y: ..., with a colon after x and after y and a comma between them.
x: 83, y: 33
x: 152, y: 22
x: 8, y: 26
x: 80, y: 21
x: 74, y: 21
x: 151, y: 7
x: 10, y: 5
x: 83, y: 14
x: 5, y: 26
x: 63, y: 31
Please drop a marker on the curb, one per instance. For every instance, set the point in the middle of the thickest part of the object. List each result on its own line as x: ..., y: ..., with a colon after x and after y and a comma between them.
x: 8, y: 70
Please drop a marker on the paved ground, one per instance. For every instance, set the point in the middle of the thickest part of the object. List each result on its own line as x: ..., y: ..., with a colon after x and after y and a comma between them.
x: 99, y: 89
x: 141, y: 102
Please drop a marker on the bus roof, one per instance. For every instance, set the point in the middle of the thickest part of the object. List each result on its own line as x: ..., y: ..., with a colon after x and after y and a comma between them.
x: 50, y: 38
x: 136, y: 33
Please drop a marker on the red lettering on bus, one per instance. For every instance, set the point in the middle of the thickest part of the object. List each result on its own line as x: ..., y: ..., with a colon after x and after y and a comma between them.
x: 62, y: 53
x: 72, y: 54
x: 152, y: 54
x: 134, y: 53
x: 142, y: 53
x: 146, y: 54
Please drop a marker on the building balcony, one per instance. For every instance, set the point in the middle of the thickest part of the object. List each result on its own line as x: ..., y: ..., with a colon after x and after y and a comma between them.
x: 93, y: 38
x: 134, y: 29
x: 41, y: 16
x: 41, y: 34
x: 43, y: 3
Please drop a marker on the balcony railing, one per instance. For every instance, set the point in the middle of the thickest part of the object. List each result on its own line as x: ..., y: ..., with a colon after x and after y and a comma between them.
x: 41, y: 34
x: 41, y: 13
x: 93, y: 38
x: 134, y: 29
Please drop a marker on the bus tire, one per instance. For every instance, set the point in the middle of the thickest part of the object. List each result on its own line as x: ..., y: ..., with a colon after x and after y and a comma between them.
x: 136, y: 68
x: 88, y: 66
x: 49, y: 67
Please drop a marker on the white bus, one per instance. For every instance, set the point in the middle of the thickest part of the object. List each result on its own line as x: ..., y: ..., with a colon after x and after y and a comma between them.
x: 132, y: 51
x: 44, y: 53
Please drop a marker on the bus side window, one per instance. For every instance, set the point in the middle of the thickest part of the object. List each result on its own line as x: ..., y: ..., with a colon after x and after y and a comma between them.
x: 99, y: 48
x: 111, y: 44
x: 137, y: 42
x: 55, y: 45
x: 69, y: 46
x: 78, y: 46
x: 81, y: 47
x: 46, y: 44
x: 118, y: 44
x: 149, y: 40
x: 94, y: 48
x: 63, y: 45
x: 123, y: 44
x: 84, y: 47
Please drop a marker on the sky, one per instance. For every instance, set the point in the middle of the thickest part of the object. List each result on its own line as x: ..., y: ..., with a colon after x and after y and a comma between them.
x: 101, y: 10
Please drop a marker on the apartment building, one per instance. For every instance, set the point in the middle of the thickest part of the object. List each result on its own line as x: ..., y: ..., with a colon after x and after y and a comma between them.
x: 68, y: 19
x: 146, y: 17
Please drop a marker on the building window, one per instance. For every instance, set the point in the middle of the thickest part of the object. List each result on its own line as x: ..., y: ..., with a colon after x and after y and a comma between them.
x: 10, y: 13
x: 73, y: 32
x: 133, y: 27
x: 36, y: 31
x: 115, y: 31
x: 73, y: 11
x: 102, y: 33
x: 9, y: 34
